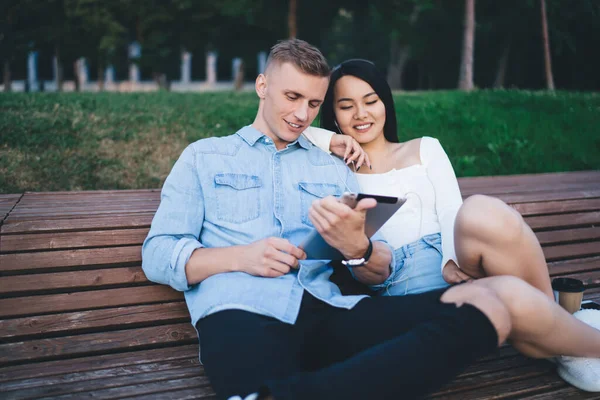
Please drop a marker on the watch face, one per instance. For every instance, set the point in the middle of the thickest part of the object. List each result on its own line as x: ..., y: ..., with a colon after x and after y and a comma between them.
x: 354, y: 263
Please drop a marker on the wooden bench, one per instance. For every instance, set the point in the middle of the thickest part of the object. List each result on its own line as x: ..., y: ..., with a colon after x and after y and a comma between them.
x: 78, y: 317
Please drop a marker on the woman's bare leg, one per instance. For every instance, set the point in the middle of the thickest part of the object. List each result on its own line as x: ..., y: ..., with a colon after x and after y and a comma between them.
x: 539, y: 327
x: 492, y: 239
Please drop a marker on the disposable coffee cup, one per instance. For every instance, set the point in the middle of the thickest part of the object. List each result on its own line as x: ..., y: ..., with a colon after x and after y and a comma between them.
x: 568, y: 292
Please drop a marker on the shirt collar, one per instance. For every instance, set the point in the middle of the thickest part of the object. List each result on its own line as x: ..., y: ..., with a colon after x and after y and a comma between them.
x: 251, y: 135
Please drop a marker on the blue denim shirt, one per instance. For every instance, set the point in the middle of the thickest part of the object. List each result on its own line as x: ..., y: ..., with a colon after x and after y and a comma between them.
x: 236, y: 190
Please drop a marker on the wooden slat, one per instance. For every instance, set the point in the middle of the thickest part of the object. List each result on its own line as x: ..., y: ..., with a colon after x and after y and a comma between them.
x: 564, y: 220
x: 94, y: 320
x: 576, y: 265
x: 17, y: 374
x: 529, y: 189
x: 71, y: 240
x: 576, y: 250
x: 568, y: 235
x: 515, y: 198
x: 184, y: 394
x: 70, y: 258
x: 89, y: 300
x: 72, y: 280
x: 531, y: 181
x: 85, y: 344
x: 565, y: 393
x: 31, y: 387
x: 557, y: 207
x: 7, y: 202
x: 71, y: 224
x: 148, y: 388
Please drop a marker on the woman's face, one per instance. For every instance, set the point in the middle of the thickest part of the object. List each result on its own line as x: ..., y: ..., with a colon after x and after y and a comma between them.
x: 359, y: 111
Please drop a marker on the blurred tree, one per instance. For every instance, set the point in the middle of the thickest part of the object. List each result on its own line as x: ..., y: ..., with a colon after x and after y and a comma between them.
x: 465, y: 81
x: 103, y: 31
x: 546, y: 44
x: 292, y: 27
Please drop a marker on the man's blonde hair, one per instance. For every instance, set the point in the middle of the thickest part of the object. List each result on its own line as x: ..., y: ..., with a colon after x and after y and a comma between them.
x: 306, y: 57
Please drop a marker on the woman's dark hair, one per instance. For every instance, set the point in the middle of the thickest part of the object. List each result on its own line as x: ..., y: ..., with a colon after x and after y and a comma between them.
x: 365, y: 70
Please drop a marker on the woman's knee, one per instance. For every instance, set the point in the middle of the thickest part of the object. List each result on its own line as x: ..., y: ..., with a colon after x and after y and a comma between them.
x: 487, y: 218
x: 485, y: 300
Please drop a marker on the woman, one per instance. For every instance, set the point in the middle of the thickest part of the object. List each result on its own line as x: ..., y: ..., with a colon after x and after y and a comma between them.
x: 438, y: 239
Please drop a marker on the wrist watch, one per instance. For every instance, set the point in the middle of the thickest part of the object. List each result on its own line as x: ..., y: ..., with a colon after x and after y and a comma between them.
x: 359, y: 262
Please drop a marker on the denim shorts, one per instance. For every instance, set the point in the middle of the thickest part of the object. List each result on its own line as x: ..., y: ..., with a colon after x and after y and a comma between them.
x: 418, y: 268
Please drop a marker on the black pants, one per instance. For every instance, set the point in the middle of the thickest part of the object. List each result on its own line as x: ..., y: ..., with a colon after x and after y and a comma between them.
x: 385, y: 347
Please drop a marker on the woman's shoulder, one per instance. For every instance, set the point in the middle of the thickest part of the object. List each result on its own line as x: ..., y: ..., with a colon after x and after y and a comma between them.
x: 419, y: 150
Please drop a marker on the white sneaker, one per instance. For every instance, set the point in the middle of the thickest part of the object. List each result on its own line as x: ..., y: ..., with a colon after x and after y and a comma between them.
x: 581, y: 372
x: 252, y: 396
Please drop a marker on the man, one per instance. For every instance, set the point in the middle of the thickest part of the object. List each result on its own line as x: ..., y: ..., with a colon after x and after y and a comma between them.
x: 271, y: 324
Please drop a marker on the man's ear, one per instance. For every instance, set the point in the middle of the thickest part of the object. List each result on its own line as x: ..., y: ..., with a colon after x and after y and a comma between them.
x: 261, y: 86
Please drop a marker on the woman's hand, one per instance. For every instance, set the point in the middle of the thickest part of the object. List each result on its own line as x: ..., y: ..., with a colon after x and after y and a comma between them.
x: 346, y: 147
x: 452, y: 274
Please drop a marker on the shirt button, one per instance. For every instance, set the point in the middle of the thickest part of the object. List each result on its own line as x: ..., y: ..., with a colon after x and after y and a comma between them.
x: 267, y: 141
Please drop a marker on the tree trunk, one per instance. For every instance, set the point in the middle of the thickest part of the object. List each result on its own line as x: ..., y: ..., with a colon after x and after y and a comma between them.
x: 400, y: 54
x: 502, y: 63
x: 239, y: 77
x: 100, y: 77
x: 465, y: 80
x: 546, y: 43
x: 59, y: 69
x: 6, y: 78
x: 292, y: 29
x: 77, y: 78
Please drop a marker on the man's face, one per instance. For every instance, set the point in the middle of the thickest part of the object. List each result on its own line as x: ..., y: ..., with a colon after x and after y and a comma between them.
x: 290, y: 102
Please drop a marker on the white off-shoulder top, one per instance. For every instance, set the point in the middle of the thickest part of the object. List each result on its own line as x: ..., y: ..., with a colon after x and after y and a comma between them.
x: 431, y: 189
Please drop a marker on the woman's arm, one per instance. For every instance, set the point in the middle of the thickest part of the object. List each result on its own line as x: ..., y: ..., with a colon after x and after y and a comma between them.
x: 343, y: 146
x: 447, y: 193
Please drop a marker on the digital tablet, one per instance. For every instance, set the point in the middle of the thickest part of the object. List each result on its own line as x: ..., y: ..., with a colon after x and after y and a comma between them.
x: 316, y: 248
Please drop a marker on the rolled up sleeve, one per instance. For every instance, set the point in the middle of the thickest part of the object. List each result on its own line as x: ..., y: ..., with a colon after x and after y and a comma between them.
x: 175, y: 230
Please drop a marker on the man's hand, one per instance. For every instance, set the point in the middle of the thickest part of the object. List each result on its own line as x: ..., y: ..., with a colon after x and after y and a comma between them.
x: 270, y: 258
x: 341, y: 226
x: 346, y: 147
x: 452, y: 274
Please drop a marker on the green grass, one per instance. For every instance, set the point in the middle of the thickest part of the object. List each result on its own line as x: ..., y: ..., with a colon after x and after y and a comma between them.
x: 51, y: 142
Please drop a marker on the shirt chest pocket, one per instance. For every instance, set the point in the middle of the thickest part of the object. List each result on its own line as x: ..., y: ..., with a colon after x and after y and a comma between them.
x: 238, y: 197
x: 310, y: 192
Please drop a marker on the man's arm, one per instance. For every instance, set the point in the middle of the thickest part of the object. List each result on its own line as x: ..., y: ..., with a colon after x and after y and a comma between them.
x: 172, y: 253
x: 269, y: 258
x: 344, y: 228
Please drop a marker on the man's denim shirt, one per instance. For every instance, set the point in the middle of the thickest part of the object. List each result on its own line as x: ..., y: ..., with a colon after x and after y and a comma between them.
x: 237, y: 190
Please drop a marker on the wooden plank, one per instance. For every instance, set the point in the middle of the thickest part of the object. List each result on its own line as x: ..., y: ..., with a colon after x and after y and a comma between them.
x: 96, y: 343
x: 147, y: 388
x: 576, y: 265
x: 518, y: 387
x: 118, y: 381
x: 576, y: 250
x: 514, y: 198
x: 28, y: 387
x: 530, y: 181
x: 477, y: 383
x: 568, y: 392
x: 7, y: 202
x: 530, y: 189
x: 73, y: 280
x: 568, y: 235
x: 564, y: 220
x: 88, y: 300
x: 71, y: 240
x: 184, y: 394
x: 72, y: 224
x: 557, y: 207
x: 46, y: 369
x: 70, y: 258
x: 93, y: 320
